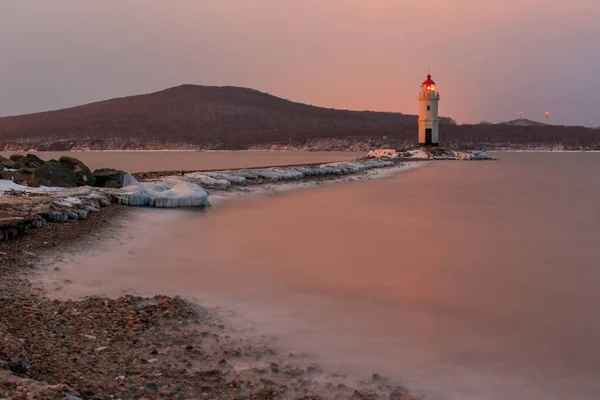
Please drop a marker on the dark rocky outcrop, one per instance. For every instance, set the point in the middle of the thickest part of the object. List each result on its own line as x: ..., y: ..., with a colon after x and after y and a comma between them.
x: 53, y: 173
x: 26, y: 171
x: 19, y: 161
x: 34, y: 161
x: 109, y: 177
x: 82, y: 173
x: 28, y: 161
x: 6, y: 163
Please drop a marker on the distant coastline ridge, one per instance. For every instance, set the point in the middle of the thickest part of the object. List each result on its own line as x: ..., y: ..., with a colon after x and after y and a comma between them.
x: 192, y: 117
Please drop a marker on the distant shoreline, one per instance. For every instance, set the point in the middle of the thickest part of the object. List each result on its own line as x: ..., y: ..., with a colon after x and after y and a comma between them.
x: 540, y: 150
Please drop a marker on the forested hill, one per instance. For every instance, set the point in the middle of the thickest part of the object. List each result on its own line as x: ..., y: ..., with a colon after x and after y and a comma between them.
x: 204, y: 116
x: 208, y: 117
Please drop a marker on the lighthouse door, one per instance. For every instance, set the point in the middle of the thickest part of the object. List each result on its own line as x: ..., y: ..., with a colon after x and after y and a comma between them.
x: 428, y: 136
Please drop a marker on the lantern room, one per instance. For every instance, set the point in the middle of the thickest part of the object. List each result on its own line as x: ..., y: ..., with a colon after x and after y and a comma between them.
x: 428, y: 84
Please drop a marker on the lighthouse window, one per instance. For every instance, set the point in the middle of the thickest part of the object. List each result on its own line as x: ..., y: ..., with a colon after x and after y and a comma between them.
x: 428, y: 108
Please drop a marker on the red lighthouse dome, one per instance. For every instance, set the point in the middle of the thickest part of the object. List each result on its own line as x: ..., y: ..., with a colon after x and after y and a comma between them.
x: 428, y: 84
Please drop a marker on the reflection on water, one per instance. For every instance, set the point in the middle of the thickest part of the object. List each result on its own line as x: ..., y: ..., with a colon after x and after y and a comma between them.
x: 145, y: 161
x: 462, y: 280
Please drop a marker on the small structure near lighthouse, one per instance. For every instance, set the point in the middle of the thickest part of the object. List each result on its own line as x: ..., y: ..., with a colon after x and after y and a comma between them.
x: 428, y: 114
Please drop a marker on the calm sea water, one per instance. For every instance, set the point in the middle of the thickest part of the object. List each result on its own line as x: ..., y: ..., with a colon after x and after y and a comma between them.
x: 146, y: 161
x: 462, y: 280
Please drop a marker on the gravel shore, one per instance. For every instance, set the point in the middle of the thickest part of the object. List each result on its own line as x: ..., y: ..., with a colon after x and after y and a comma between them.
x: 133, y: 347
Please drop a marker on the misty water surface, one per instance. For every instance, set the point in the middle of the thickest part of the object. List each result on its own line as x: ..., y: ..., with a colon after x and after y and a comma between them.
x: 145, y: 161
x: 462, y: 280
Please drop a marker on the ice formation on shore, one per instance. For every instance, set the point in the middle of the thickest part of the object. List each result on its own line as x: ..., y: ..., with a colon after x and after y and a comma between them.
x: 390, y: 154
x: 300, y: 172
x: 7, y: 186
x: 478, y: 155
x: 175, y: 191
x: 234, y: 179
x: 445, y: 154
x: 52, y: 204
x: 200, y: 178
x: 167, y: 193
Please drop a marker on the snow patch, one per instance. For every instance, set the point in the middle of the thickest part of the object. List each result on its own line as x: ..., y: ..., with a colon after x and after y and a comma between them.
x: 68, y: 201
x: 437, y: 153
x: 206, y: 180
x: 186, y: 190
x: 472, y: 156
x: 419, y: 153
x: 383, y: 153
x: 7, y: 186
x: 227, y: 176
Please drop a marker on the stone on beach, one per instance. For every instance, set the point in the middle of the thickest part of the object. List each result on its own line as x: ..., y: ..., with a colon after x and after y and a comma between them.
x: 28, y: 161
x: 82, y: 173
x: 6, y: 163
x: 53, y: 173
x: 26, y: 171
x: 109, y: 177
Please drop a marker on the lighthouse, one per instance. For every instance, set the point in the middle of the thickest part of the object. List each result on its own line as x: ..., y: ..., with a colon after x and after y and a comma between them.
x: 428, y: 114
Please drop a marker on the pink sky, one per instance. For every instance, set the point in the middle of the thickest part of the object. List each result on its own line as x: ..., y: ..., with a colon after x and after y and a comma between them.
x: 489, y: 57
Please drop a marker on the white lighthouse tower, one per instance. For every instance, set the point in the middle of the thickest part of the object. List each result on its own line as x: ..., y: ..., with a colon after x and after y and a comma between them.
x: 428, y: 114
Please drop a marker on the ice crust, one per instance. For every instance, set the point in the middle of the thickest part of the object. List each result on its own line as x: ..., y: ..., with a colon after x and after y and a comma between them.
x: 200, y: 178
x: 449, y: 155
x: 167, y: 193
x: 187, y: 190
x: 301, y: 172
x: 472, y: 156
x: 234, y: 179
x: 7, y: 186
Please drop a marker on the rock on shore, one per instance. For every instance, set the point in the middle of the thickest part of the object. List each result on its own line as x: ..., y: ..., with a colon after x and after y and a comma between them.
x: 53, y: 173
x: 83, y: 175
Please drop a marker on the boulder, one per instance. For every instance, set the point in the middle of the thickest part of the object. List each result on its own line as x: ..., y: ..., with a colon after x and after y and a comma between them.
x: 28, y: 161
x: 34, y: 161
x: 82, y: 173
x: 20, y: 161
x: 108, y: 177
x: 113, y: 184
x: 26, y: 171
x: 6, y: 163
x: 16, y: 157
x: 53, y: 173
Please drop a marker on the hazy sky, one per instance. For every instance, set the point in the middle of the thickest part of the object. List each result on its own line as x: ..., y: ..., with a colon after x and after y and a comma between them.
x: 488, y: 57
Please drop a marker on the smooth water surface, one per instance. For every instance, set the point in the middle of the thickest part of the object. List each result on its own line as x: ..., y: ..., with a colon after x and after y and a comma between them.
x: 146, y: 161
x: 462, y: 280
